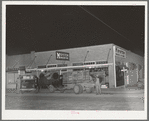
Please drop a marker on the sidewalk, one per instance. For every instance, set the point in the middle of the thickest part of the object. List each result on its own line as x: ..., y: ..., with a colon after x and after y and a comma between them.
x: 122, y: 91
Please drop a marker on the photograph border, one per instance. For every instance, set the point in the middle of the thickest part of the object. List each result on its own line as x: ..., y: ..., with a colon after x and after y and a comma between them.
x: 65, y: 114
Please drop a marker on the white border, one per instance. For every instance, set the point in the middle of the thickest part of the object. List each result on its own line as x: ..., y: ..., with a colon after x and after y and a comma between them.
x: 8, y: 114
x: 146, y: 57
x: 75, y: 3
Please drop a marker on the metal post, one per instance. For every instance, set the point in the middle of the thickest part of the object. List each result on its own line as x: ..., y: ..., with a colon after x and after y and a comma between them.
x: 32, y: 62
x: 84, y: 61
x: 15, y: 64
x: 48, y: 60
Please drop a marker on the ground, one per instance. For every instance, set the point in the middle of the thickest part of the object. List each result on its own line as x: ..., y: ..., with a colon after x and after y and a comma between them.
x: 109, y: 100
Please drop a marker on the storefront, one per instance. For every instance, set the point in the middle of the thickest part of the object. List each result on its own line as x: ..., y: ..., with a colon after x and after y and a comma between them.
x: 11, y: 77
x: 122, y: 67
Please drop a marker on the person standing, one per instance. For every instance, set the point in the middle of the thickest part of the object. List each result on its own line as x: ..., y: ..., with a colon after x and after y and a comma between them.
x: 61, y: 80
x: 18, y: 85
x: 98, y: 85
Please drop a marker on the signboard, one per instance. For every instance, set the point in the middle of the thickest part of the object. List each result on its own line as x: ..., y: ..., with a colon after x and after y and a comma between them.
x: 62, y: 56
x: 120, y: 53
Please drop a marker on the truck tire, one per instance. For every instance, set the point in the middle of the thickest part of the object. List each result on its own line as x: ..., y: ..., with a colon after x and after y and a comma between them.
x: 81, y: 89
x: 51, y: 88
x: 77, y: 89
x: 55, y: 75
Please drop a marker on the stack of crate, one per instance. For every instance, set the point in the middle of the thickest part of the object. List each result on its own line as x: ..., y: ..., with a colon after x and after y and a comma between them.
x: 75, y: 77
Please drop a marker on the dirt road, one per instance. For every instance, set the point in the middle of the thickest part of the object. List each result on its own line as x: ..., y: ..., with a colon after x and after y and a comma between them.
x: 71, y: 101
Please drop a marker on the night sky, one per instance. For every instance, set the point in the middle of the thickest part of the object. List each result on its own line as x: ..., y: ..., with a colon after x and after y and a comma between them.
x: 43, y: 28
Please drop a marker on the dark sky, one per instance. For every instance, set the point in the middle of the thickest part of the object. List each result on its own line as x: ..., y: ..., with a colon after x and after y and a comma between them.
x: 43, y: 28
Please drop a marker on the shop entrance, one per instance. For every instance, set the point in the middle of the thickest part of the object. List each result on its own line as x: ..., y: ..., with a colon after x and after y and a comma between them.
x: 119, y: 76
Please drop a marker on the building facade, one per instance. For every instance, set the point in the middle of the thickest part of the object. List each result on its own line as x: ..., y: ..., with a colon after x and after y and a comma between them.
x: 126, y: 67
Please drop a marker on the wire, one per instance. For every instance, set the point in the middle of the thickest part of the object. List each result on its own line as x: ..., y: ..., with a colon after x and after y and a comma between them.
x: 103, y: 22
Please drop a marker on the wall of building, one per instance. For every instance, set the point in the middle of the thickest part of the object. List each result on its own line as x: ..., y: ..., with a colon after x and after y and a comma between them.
x: 131, y: 57
x: 15, y: 61
x: 132, y: 76
x: 18, y: 60
x: 96, y: 53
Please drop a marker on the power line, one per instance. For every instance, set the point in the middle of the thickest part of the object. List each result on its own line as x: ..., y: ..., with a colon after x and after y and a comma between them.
x: 103, y: 22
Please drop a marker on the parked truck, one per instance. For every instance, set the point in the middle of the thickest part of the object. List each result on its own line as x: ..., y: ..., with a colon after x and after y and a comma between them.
x: 78, y: 80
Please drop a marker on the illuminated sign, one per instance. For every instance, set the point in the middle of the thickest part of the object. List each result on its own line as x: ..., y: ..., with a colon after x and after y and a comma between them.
x: 62, y: 56
x: 120, y: 53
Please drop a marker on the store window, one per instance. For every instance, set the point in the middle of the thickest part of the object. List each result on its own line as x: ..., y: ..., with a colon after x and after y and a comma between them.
x: 42, y: 66
x: 61, y: 65
x: 89, y: 63
x: 99, y: 69
x: 78, y: 69
x: 64, y: 70
x: 77, y: 64
x: 51, y: 65
x: 101, y: 62
x: 12, y: 77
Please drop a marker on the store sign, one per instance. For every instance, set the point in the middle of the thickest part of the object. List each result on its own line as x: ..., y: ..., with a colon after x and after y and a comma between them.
x: 62, y: 56
x: 120, y: 53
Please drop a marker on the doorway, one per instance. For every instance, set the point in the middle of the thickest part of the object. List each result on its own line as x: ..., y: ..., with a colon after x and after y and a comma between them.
x: 119, y: 77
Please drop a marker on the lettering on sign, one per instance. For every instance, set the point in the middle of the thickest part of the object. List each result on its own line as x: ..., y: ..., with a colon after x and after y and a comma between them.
x: 120, y: 53
x: 62, y: 56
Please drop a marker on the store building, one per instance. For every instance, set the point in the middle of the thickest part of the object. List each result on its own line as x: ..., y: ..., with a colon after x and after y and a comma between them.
x: 126, y: 67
